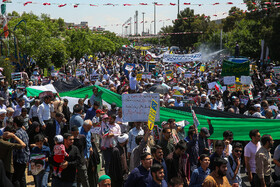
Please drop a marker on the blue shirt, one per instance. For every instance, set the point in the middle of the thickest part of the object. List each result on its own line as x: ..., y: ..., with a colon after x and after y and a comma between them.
x: 76, y: 120
x: 198, y: 177
x: 154, y: 184
x: 88, y: 139
x: 57, y: 126
x: 139, y: 177
x: 22, y: 155
x: 44, y: 151
x: 90, y: 113
x: 193, y: 151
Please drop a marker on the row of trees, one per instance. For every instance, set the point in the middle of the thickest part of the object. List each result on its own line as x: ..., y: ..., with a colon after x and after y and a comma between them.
x: 49, y: 42
x: 261, y: 22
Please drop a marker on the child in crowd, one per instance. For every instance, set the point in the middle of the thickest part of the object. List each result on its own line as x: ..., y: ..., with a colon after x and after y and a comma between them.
x: 59, y: 154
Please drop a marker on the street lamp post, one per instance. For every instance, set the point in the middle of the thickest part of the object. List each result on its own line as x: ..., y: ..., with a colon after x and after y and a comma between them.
x: 143, y: 22
x: 155, y: 17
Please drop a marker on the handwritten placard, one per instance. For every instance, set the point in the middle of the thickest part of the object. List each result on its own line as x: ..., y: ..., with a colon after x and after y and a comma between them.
x: 246, y: 80
x: 136, y: 107
x: 229, y: 80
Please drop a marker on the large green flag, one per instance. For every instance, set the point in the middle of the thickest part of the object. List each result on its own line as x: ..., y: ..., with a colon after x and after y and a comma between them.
x: 239, y: 126
x: 235, y: 69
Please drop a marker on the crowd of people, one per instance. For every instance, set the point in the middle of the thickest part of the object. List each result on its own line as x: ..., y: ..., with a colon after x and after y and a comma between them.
x: 66, y: 146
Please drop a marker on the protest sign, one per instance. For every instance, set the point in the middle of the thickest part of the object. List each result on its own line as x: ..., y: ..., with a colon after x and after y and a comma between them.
x: 139, y: 76
x: 94, y: 77
x: 182, y: 57
x: 267, y: 82
x: 169, y: 73
x: 188, y: 75
x: 246, y: 80
x: 129, y: 67
x: 211, y: 85
x: 231, y: 88
x: 16, y: 76
x: 156, y: 132
x: 244, y: 99
x: 54, y: 73
x: 235, y: 69
x: 229, y: 80
x: 136, y: 107
x: 152, y: 114
x: 78, y: 73
x: 276, y: 70
x: 36, y: 163
x: 238, y: 87
x: 146, y: 75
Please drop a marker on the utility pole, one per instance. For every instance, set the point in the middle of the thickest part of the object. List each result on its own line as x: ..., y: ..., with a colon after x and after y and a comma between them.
x: 221, y: 40
x: 178, y: 7
x: 155, y: 18
x: 136, y: 15
x: 143, y: 23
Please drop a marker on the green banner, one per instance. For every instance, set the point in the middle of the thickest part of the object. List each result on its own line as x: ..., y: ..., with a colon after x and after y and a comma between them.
x: 239, y: 126
x: 235, y: 69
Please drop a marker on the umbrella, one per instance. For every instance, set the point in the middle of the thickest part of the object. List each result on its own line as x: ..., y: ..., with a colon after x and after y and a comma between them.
x: 158, y: 88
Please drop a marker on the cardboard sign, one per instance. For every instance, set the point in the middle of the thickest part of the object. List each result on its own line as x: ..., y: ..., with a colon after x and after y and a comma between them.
x: 146, y: 75
x: 231, y: 88
x: 139, y: 76
x: 136, y: 107
x: 276, y: 70
x: 169, y: 73
x: 16, y: 76
x: 267, y: 82
x: 94, y: 77
x: 244, y: 99
x: 152, y: 114
x: 246, y: 80
x: 188, y: 75
x: 238, y: 87
x: 229, y: 80
x: 54, y: 73
x: 129, y: 67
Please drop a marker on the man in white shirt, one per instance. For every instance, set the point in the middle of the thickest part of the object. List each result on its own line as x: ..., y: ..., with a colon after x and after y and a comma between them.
x: 119, y: 121
x: 27, y: 100
x: 250, y: 151
x: 18, y: 107
x: 132, y: 81
x: 33, y: 113
x: 44, y: 112
x: 136, y: 131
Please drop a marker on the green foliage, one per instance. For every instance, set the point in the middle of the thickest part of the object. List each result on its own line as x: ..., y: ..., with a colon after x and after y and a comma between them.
x: 8, y: 68
x: 48, y: 41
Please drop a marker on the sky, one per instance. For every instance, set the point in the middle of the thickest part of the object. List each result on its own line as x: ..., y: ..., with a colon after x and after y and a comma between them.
x: 108, y: 15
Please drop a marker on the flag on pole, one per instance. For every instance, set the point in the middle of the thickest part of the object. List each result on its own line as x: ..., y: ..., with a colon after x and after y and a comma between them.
x: 195, y: 120
x: 218, y: 87
x: 5, y: 20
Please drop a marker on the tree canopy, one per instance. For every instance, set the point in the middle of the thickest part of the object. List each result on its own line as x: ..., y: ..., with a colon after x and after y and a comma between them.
x: 49, y: 42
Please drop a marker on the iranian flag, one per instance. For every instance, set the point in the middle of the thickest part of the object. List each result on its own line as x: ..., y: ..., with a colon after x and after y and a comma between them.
x: 218, y: 87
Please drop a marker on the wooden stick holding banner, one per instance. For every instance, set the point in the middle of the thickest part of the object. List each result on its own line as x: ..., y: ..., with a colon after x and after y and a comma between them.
x: 152, y: 114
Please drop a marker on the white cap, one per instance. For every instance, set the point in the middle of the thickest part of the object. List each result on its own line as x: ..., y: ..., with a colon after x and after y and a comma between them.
x: 257, y: 105
x: 122, y: 138
x: 203, y: 95
x: 58, y: 138
x: 3, y: 111
x: 171, y: 100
